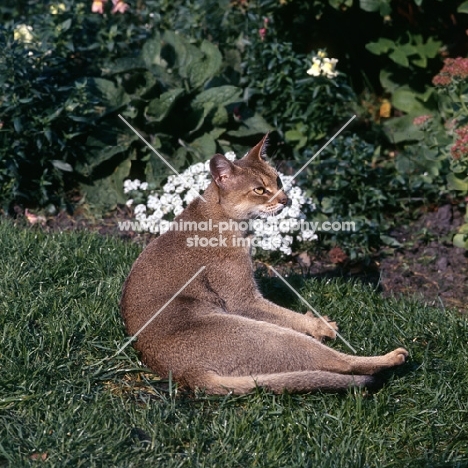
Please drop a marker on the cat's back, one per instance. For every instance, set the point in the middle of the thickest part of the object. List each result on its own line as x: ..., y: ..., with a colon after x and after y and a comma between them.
x: 161, y: 268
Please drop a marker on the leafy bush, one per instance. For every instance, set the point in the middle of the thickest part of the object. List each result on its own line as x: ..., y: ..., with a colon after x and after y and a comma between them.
x: 195, y: 77
x: 352, y: 181
x: 446, y: 133
x: 66, y: 79
x: 175, y: 93
x: 303, y: 108
x: 49, y: 110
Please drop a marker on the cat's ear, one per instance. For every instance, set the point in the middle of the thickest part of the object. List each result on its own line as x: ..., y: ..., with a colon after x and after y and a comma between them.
x: 222, y: 170
x: 262, y: 150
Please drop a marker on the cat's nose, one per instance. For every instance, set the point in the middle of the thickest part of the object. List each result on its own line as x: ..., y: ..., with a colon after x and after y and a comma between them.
x: 284, y: 200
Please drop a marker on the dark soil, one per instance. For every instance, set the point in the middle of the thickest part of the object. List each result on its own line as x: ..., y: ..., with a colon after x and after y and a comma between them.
x: 430, y: 266
x: 426, y: 265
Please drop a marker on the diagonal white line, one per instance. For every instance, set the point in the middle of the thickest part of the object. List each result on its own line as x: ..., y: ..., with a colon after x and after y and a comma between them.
x: 316, y: 154
x: 157, y: 153
x: 159, y: 311
x: 312, y: 309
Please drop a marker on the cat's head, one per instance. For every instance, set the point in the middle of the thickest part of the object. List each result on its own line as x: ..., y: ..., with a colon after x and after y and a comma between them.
x: 249, y: 187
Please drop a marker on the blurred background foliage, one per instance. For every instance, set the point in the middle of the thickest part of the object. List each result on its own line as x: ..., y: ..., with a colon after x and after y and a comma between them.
x: 196, y: 77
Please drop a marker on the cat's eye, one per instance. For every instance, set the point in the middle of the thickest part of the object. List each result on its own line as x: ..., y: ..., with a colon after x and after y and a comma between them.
x: 260, y: 190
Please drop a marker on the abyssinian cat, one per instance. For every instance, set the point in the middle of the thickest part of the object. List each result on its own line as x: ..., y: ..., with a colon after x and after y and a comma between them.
x: 219, y: 334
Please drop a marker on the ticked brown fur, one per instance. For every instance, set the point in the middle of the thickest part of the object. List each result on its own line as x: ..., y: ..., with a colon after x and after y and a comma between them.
x: 219, y: 334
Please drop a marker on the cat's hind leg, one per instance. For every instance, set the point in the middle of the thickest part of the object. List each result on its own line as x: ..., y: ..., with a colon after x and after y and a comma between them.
x: 220, y: 352
x: 291, y: 382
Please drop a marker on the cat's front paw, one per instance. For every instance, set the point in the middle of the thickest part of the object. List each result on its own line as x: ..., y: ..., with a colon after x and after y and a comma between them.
x: 323, y: 327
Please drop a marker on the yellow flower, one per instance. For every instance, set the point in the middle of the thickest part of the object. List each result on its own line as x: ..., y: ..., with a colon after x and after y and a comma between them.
x: 315, y: 69
x: 23, y: 34
x: 57, y: 8
x: 322, y: 65
x: 385, y: 110
x: 328, y: 67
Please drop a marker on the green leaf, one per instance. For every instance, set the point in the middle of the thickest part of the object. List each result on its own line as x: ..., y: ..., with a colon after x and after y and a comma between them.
x: 104, y: 154
x: 375, y: 48
x: 326, y: 205
x: 17, y: 124
x: 65, y: 26
x: 386, y: 81
x: 220, y: 117
x: 62, y: 165
x: 293, y: 135
x: 159, y: 108
x: 382, y: 46
x: 197, y: 116
x: 102, y: 146
x: 428, y: 94
x: 107, y: 192
x: 406, y: 100
x: 408, y: 49
x: 337, y: 4
x: 382, y: 6
x: 252, y: 126
x: 463, y: 8
x: 399, y: 57
x: 123, y: 65
x: 399, y: 129
x: 463, y: 228
x: 201, y: 70
x: 388, y: 240
x: 404, y: 164
x: 420, y: 62
x: 369, y: 5
x: 456, y: 183
x: 205, y: 145
x: 431, y: 48
x: 461, y: 241
x: 156, y: 171
x: 218, y: 96
x: 151, y: 51
x: 180, y: 53
x: 114, y: 96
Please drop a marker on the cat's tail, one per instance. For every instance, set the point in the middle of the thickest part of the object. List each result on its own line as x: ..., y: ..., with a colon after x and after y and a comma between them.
x: 293, y: 382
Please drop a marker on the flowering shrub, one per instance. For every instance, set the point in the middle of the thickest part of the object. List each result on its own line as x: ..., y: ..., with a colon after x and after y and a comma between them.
x: 67, y: 75
x: 303, y: 95
x: 452, y: 83
x: 460, y: 149
x: 453, y: 71
x: 448, y: 134
x: 421, y: 120
x: 151, y: 208
x: 56, y: 136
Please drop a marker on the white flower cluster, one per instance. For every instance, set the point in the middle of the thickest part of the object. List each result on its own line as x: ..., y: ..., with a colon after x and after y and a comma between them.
x: 181, y: 189
x: 23, y: 33
x: 322, y: 65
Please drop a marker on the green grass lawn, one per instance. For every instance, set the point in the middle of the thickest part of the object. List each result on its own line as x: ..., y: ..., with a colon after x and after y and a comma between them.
x: 66, y: 399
